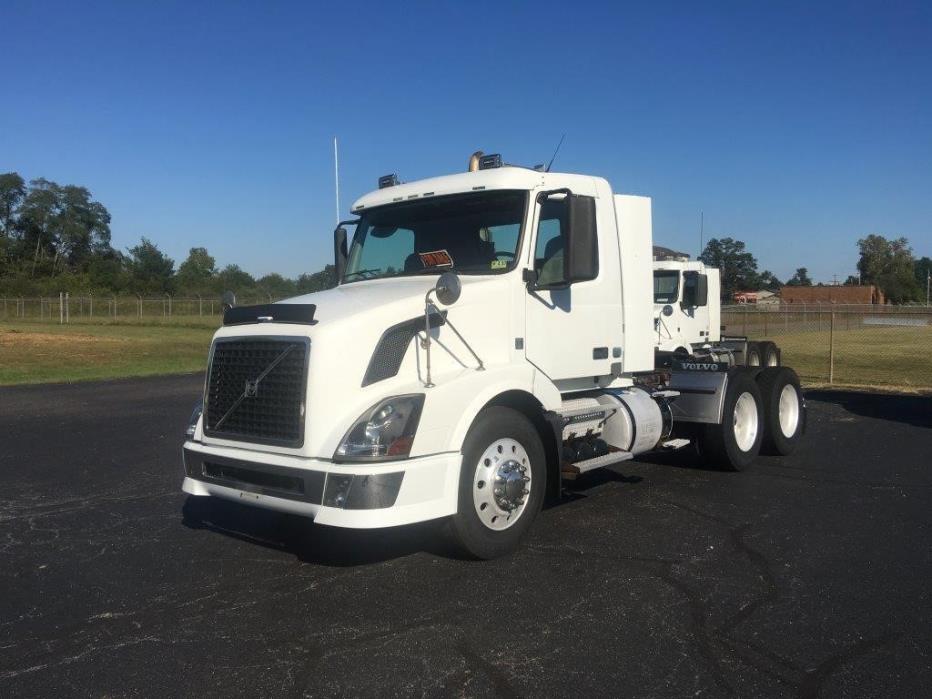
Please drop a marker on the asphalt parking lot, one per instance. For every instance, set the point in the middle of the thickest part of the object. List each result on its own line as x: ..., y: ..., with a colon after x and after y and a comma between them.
x: 806, y: 576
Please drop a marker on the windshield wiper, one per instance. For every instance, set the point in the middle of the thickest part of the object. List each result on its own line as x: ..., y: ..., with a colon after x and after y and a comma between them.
x: 362, y: 271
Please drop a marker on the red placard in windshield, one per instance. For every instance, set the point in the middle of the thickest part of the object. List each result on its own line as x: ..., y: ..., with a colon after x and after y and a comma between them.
x: 436, y: 258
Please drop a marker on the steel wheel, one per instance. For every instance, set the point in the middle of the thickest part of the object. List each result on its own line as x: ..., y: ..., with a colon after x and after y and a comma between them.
x: 746, y: 421
x: 502, y: 483
x: 789, y: 410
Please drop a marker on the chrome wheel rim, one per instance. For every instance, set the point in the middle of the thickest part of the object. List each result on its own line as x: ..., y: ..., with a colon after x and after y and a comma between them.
x: 788, y: 410
x: 772, y: 359
x: 753, y: 360
x: 501, y: 484
x: 745, y: 421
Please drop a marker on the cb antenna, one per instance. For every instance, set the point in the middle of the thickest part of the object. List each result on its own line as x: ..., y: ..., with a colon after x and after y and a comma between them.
x: 336, y: 176
x: 555, y: 153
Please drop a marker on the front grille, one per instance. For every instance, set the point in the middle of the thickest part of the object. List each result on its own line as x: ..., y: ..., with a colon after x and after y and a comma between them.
x: 255, y: 390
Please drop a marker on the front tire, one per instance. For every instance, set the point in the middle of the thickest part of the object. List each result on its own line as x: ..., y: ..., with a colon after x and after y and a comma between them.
x: 735, y: 442
x: 502, y: 482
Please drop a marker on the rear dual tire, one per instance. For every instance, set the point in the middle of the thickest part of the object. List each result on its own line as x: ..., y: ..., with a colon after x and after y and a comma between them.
x: 784, y: 410
x: 764, y: 353
x: 734, y: 442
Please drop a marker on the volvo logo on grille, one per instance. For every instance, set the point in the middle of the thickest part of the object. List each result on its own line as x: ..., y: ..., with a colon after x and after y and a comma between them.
x: 252, y: 388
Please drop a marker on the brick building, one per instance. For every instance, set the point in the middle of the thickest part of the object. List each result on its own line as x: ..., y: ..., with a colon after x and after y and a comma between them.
x: 867, y: 294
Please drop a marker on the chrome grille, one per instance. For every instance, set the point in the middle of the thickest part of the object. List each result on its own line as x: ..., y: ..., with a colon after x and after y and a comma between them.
x: 256, y: 389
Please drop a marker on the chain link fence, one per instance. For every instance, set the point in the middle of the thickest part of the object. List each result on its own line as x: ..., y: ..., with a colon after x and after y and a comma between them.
x: 882, y: 346
x: 875, y: 346
x: 199, y: 310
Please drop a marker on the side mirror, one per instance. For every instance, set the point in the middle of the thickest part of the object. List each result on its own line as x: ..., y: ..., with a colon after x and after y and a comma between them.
x: 228, y: 300
x: 695, y: 290
x: 339, y: 252
x: 581, y: 255
x: 702, y: 291
x: 448, y: 288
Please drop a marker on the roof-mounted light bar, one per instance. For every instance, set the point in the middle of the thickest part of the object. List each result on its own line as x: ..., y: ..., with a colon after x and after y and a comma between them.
x: 388, y: 181
x: 491, y: 161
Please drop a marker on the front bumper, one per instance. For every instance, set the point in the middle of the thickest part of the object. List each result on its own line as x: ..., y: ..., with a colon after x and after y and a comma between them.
x: 358, y: 496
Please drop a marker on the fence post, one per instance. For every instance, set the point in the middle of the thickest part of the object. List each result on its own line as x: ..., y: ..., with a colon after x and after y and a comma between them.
x: 139, y: 304
x: 90, y: 301
x: 68, y: 307
x: 169, y: 305
x: 765, y: 323
x: 744, y: 320
x: 831, y: 349
x: 61, y: 308
x: 200, y: 305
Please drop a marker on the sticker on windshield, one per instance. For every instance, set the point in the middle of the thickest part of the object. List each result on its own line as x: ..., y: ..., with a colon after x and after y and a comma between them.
x: 436, y: 258
x: 499, y: 264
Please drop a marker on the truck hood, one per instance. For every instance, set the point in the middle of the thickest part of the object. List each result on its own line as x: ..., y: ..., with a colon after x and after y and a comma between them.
x: 364, y: 297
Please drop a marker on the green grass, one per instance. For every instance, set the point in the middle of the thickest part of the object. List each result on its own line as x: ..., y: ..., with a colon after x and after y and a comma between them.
x: 33, y: 352
x: 868, y: 356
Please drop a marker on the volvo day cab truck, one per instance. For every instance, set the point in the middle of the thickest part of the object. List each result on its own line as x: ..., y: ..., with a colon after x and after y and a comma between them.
x: 491, y: 335
x: 687, y: 317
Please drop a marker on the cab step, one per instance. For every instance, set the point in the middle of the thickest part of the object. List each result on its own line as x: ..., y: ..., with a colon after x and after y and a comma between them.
x: 571, y: 471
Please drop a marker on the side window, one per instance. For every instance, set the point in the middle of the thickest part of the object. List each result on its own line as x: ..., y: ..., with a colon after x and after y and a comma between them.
x: 548, y: 252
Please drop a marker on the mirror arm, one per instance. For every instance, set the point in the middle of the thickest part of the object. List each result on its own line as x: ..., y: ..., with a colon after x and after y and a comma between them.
x: 529, y: 277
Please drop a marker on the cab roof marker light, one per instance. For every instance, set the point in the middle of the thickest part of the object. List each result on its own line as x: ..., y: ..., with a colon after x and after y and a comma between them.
x: 388, y: 181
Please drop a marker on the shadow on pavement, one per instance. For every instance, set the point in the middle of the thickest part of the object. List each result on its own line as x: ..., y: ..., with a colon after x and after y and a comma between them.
x: 908, y: 409
x: 309, y: 542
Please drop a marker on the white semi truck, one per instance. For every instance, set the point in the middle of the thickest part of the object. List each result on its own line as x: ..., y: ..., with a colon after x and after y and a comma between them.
x: 688, y: 312
x: 492, y: 334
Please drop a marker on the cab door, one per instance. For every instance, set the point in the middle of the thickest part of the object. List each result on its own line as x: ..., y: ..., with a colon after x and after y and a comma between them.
x: 572, y: 330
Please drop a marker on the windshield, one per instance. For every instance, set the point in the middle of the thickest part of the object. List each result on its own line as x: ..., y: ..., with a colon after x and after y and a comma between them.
x: 471, y: 233
x: 666, y: 286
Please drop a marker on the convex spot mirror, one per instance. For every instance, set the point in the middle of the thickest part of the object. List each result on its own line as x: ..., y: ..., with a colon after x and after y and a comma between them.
x: 667, y: 310
x: 448, y: 288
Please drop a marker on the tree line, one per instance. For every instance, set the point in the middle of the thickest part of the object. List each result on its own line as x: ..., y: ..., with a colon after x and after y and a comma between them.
x: 888, y: 264
x: 57, y: 238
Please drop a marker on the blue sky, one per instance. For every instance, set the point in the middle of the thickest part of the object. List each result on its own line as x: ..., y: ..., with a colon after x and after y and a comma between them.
x: 796, y: 127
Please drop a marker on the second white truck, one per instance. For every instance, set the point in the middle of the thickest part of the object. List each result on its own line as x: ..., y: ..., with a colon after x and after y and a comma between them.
x: 688, y: 314
x: 491, y: 335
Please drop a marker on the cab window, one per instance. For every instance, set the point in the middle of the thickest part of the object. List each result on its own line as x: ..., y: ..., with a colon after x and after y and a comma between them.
x: 548, y: 253
x: 666, y: 286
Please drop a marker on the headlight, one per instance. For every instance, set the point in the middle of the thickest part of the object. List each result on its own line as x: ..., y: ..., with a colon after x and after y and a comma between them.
x: 192, y: 421
x: 384, y: 432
